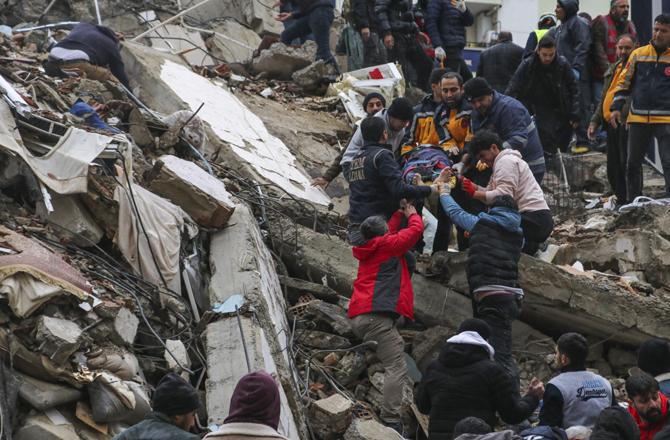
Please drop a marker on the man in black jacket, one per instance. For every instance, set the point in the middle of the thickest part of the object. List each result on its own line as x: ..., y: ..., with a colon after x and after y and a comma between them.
x: 465, y: 382
x: 498, y: 63
x: 546, y: 85
x: 375, y: 181
x: 363, y: 19
x: 573, y: 41
x: 446, y: 21
x: 397, y: 26
x: 89, y: 50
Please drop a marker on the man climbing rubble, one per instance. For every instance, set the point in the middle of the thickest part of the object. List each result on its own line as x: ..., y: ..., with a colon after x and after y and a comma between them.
x: 174, y: 404
x: 648, y: 406
x: 91, y: 51
x: 372, y: 104
x: 511, y: 176
x: 465, y: 381
x: 496, y: 240
x: 376, y: 186
x: 382, y: 293
x: 575, y: 397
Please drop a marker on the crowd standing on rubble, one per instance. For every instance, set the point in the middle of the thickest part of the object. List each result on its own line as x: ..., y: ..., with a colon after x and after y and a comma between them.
x: 474, y: 151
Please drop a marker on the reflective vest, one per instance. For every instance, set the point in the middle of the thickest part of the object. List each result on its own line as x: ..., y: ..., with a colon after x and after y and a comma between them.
x: 539, y: 33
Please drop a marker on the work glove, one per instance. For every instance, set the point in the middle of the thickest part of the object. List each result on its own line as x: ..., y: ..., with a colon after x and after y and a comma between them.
x: 467, y: 186
x: 440, y: 54
x: 460, y: 5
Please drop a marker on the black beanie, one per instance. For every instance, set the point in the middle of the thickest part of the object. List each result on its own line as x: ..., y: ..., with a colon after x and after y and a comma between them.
x: 477, y: 87
x: 174, y: 396
x: 476, y: 325
x: 653, y: 357
x: 370, y: 96
x: 615, y: 423
x: 401, y: 109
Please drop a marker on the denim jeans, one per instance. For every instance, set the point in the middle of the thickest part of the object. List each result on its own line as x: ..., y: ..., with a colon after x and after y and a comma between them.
x: 318, y: 23
x: 499, y: 311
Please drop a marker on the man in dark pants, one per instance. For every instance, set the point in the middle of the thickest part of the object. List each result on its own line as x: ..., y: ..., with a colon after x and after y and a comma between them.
x: 646, y: 80
x: 492, y: 269
x: 617, y: 138
x: 446, y: 21
x: 546, y: 85
x: 312, y: 17
x: 396, y: 23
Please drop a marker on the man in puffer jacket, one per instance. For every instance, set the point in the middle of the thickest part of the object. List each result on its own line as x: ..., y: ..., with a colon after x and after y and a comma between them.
x: 446, y: 21
x: 382, y: 293
x: 465, y: 381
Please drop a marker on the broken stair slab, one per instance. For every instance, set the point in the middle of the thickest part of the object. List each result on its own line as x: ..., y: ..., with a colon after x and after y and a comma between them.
x: 201, y: 195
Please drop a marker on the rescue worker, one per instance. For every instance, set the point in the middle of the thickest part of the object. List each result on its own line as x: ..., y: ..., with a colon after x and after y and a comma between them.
x: 648, y: 406
x: 546, y: 22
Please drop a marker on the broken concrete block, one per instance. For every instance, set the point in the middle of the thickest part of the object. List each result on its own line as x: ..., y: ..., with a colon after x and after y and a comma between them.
x: 254, y: 13
x: 312, y: 77
x: 322, y: 340
x: 45, y: 395
x: 188, y: 43
x: 233, y: 42
x: 329, y: 316
x: 280, y: 60
x: 58, y: 338
x: 201, y: 195
x: 75, y: 221
x: 125, y: 327
x: 40, y: 427
x: 350, y: 368
x: 621, y: 360
x: 177, y: 358
x: 369, y: 430
x: 330, y: 417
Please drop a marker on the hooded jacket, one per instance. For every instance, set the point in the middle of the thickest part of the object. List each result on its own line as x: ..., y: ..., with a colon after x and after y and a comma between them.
x: 156, y: 426
x: 536, y: 85
x: 376, y: 185
x: 245, y: 431
x: 512, y: 176
x: 465, y: 382
x: 649, y: 430
x: 383, y: 282
x: 510, y: 119
x: 573, y: 38
x: 395, y: 17
x: 101, y: 46
x: 498, y: 63
x: 446, y: 24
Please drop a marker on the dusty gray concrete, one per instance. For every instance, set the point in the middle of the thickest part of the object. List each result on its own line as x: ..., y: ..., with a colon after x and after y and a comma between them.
x: 72, y: 219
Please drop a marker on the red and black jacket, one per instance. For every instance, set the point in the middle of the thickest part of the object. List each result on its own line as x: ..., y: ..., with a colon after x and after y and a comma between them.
x: 383, y: 283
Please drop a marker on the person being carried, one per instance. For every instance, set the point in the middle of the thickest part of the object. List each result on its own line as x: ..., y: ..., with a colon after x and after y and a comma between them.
x: 647, y: 405
x: 373, y: 103
x: 465, y: 381
x: 496, y: 240
x: 376, y: 186
x: 91, y: 51
x: 383, y: 293
x: 511, y: 176
x: 174, y: 404
x: 254, y: 410
x: 576, y: 396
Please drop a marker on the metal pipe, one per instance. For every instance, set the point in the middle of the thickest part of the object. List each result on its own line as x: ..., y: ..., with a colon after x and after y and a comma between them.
x: 47, y: 26
x: 244, y: 344
x: 169, y: 20
x: 97, y: 11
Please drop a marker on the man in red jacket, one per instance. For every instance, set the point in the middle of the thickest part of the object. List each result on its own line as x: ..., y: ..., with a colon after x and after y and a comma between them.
x: 648, y: 406
x: 382, y: 293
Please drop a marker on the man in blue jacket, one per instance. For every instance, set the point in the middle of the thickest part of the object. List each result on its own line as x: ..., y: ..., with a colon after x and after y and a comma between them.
x: 446, y: 21
x: 508, y: 118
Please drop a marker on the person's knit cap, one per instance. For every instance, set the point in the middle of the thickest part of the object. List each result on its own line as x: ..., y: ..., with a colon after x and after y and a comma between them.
x: 477, y: 87
x: 476, y: 325
x: 255, y: 400
x: 616, y: 423
x: 371, y: 96
x: 653, y: 356
x: 174, y: 396
x: 401, y: 109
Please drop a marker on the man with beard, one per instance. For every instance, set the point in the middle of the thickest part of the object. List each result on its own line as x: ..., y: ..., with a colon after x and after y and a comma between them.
x: 648, y: 406
x: 545, y: 84
x: 606, y: 30
x: 617, y: 137
x: 576, y: 397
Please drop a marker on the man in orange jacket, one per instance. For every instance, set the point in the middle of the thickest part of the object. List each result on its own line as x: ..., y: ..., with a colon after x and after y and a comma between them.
x: 648, y: 406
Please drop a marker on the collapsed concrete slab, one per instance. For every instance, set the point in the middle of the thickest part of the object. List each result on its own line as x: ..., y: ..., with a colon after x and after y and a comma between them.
x: 242, y: 265
x: 73, y: 219
x: 44, y: 395
x: 59, y: 338
x: 39, y: 426
x: 254, y: 13
x: 237, y: 137
x: 233, y: 42
x: 281, y: 61
x: 201, y: 195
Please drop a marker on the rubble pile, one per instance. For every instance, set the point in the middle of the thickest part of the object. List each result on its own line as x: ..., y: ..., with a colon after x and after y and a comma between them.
x: 173, y: 227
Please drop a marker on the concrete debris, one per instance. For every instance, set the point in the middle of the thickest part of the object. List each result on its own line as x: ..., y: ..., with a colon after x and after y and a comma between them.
x: 125, y: 327
x: 240, y: 48
x: 44, y: 395
x: 178, y: 40
x: 39, y: 426
x: 70, y: 214
x: 322, y: 340
x: 59, y: 338
x: 350, y: 367
x: 313, y: 76
x: 281, y: 61
x: 361, y: 429
x: 254, y: 13
x: 330, y: 417
x: 330, y: 317
x: 177, y: 356
x: 200, y: 195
